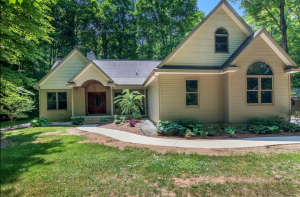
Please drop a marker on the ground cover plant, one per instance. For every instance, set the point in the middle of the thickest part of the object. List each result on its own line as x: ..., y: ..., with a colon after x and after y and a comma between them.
x: 40, y: 122
x: 39, y: 165
x: 77, y: 121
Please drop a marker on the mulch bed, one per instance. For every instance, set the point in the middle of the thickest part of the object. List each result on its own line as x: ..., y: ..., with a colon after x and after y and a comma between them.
x: 123, y: 127
x: 249, y: 134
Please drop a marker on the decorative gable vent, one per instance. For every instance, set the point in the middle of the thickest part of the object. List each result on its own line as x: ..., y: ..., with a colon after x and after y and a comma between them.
x: 91, y: 55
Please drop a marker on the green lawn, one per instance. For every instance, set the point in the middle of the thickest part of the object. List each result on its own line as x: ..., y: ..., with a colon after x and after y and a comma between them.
x: 56, y: 165
x: 5, y: 124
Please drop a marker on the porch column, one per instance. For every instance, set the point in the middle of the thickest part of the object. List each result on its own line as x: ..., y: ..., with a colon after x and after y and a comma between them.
x: 111, y: 101
x: 145, y: 101
x: 72, y: 102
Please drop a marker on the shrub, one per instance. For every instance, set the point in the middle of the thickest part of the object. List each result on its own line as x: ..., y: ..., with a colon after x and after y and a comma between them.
x: 169, y: 128
x: 123, y: 118
x: 187, y: 122
x: 212, y: 130
x: 37, y: 122
x: 259, y: 129
x: 270, y: 121
x: 189, y: 134
x: 136, y: 116
x: 274, y: 129
x: 196, y: 128
x: 243, y: 129
x: 290, y: 127
x: 77, y: 121
x: 117, y: 121
x: 103, y: 120
x: 230, y: 131
x: 132, y: 122
x: 203, y: 133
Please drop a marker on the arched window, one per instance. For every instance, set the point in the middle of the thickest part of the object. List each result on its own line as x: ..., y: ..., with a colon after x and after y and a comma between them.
x: 221, y: 41
x: 259, y: 84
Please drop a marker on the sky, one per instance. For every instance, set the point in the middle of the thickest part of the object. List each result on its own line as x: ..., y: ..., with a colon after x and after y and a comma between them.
x: 208, y: 5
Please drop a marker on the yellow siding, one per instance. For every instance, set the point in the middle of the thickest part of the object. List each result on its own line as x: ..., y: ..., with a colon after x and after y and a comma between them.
x: 200, y: 48
x: 91, y: 73
x: 226, y: 97
x: 79, y: 101
x: 240, y: 111
x: 62, y: 75
x: 173, y: 98
x: 153, y: 100
x: 101, y: 88
x: 55, y: 115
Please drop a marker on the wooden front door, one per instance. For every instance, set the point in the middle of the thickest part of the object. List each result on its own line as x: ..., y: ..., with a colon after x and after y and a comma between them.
x: 97, y: 102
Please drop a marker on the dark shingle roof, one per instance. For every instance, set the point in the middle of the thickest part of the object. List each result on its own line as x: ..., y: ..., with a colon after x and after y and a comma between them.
x: 127, y: 71
x: 240, y: 49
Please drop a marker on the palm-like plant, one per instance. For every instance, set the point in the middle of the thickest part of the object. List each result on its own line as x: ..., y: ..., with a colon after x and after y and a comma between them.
x: 130, y: 102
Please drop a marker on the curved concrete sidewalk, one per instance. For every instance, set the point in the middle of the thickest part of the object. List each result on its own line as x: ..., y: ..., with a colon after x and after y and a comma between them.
x: 239, y: 143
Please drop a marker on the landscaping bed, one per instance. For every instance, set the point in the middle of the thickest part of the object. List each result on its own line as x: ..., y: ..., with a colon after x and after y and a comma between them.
x: 224, y: 136
x: 123, y: 127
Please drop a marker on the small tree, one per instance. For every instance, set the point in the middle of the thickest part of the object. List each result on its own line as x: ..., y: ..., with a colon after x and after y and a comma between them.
x: 15, y: 101
x: 130, y: 102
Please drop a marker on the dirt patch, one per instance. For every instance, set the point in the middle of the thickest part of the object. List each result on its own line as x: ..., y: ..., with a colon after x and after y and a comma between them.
x: 221, y: 179
x: 5, y: 142
x: 123, y: 127
x: 101, y: 139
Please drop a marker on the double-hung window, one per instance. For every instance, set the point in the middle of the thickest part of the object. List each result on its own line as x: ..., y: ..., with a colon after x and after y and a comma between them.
x: 56, y: 100
x: 221, y: 41
x: 259, y: 84
x: 192, y: 93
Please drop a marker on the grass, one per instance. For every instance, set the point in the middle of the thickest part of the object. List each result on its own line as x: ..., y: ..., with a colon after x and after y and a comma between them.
x: 6, y: 124
x: 56, y: 165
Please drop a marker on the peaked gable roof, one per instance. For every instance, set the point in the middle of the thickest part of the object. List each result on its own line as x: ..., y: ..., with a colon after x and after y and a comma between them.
x: 229, y: 10
x: 58, y: 64
x: 269, y: 40
x: 85, y: 68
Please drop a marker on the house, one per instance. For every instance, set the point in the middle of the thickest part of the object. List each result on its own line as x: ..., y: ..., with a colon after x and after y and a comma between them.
x: 221, y: 72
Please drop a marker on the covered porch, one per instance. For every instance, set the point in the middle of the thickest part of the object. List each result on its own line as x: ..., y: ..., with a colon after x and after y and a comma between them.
x: 93, y: 99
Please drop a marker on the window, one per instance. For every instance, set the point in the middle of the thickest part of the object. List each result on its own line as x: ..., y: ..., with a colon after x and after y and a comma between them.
x: 259, y: 84
x: 221, y: 41
x: 51, y: 100
x: 116, y: 95
x: 56, y: 100
x: 191, y: 92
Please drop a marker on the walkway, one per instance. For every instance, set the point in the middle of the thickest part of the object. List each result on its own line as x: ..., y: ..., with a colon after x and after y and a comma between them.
x: 239, y: 143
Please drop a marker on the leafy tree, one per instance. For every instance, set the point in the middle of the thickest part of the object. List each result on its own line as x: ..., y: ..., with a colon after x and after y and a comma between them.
x: 15, y: 102
x: 130, y: 102
x: 277, y: 14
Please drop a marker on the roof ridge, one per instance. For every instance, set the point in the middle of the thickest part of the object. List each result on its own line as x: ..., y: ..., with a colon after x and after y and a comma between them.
x: 125, y: 60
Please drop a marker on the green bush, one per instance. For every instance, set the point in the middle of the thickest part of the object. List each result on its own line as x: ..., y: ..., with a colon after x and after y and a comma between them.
x: 187, y: 122
x: 37, y: 122
x: 103, y: 120
x: 136, y: 116
x: 270, y: 121
x: 290, y: 127
x: 123, y: 118
x: 117, y: 121
x: 170, y: 128
x: 196, y: 128
x: 231, y: 131
x: 77, y: 121
x: 259, y: 129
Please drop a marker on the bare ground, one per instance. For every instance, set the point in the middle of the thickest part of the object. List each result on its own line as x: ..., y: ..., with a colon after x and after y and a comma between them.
x: 101, y: 139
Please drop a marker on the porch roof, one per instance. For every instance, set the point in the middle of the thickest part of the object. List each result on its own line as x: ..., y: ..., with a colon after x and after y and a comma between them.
x: 125, y: 72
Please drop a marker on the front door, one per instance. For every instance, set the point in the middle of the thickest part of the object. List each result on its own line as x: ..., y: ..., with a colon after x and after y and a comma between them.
x: 97, y: 102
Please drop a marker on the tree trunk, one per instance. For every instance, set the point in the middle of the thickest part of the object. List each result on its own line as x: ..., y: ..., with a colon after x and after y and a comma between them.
x: 283, y: 27
x: 11, y: 121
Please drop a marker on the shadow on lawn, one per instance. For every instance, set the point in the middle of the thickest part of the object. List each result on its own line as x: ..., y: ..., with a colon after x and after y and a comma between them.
x: 16, y: 160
